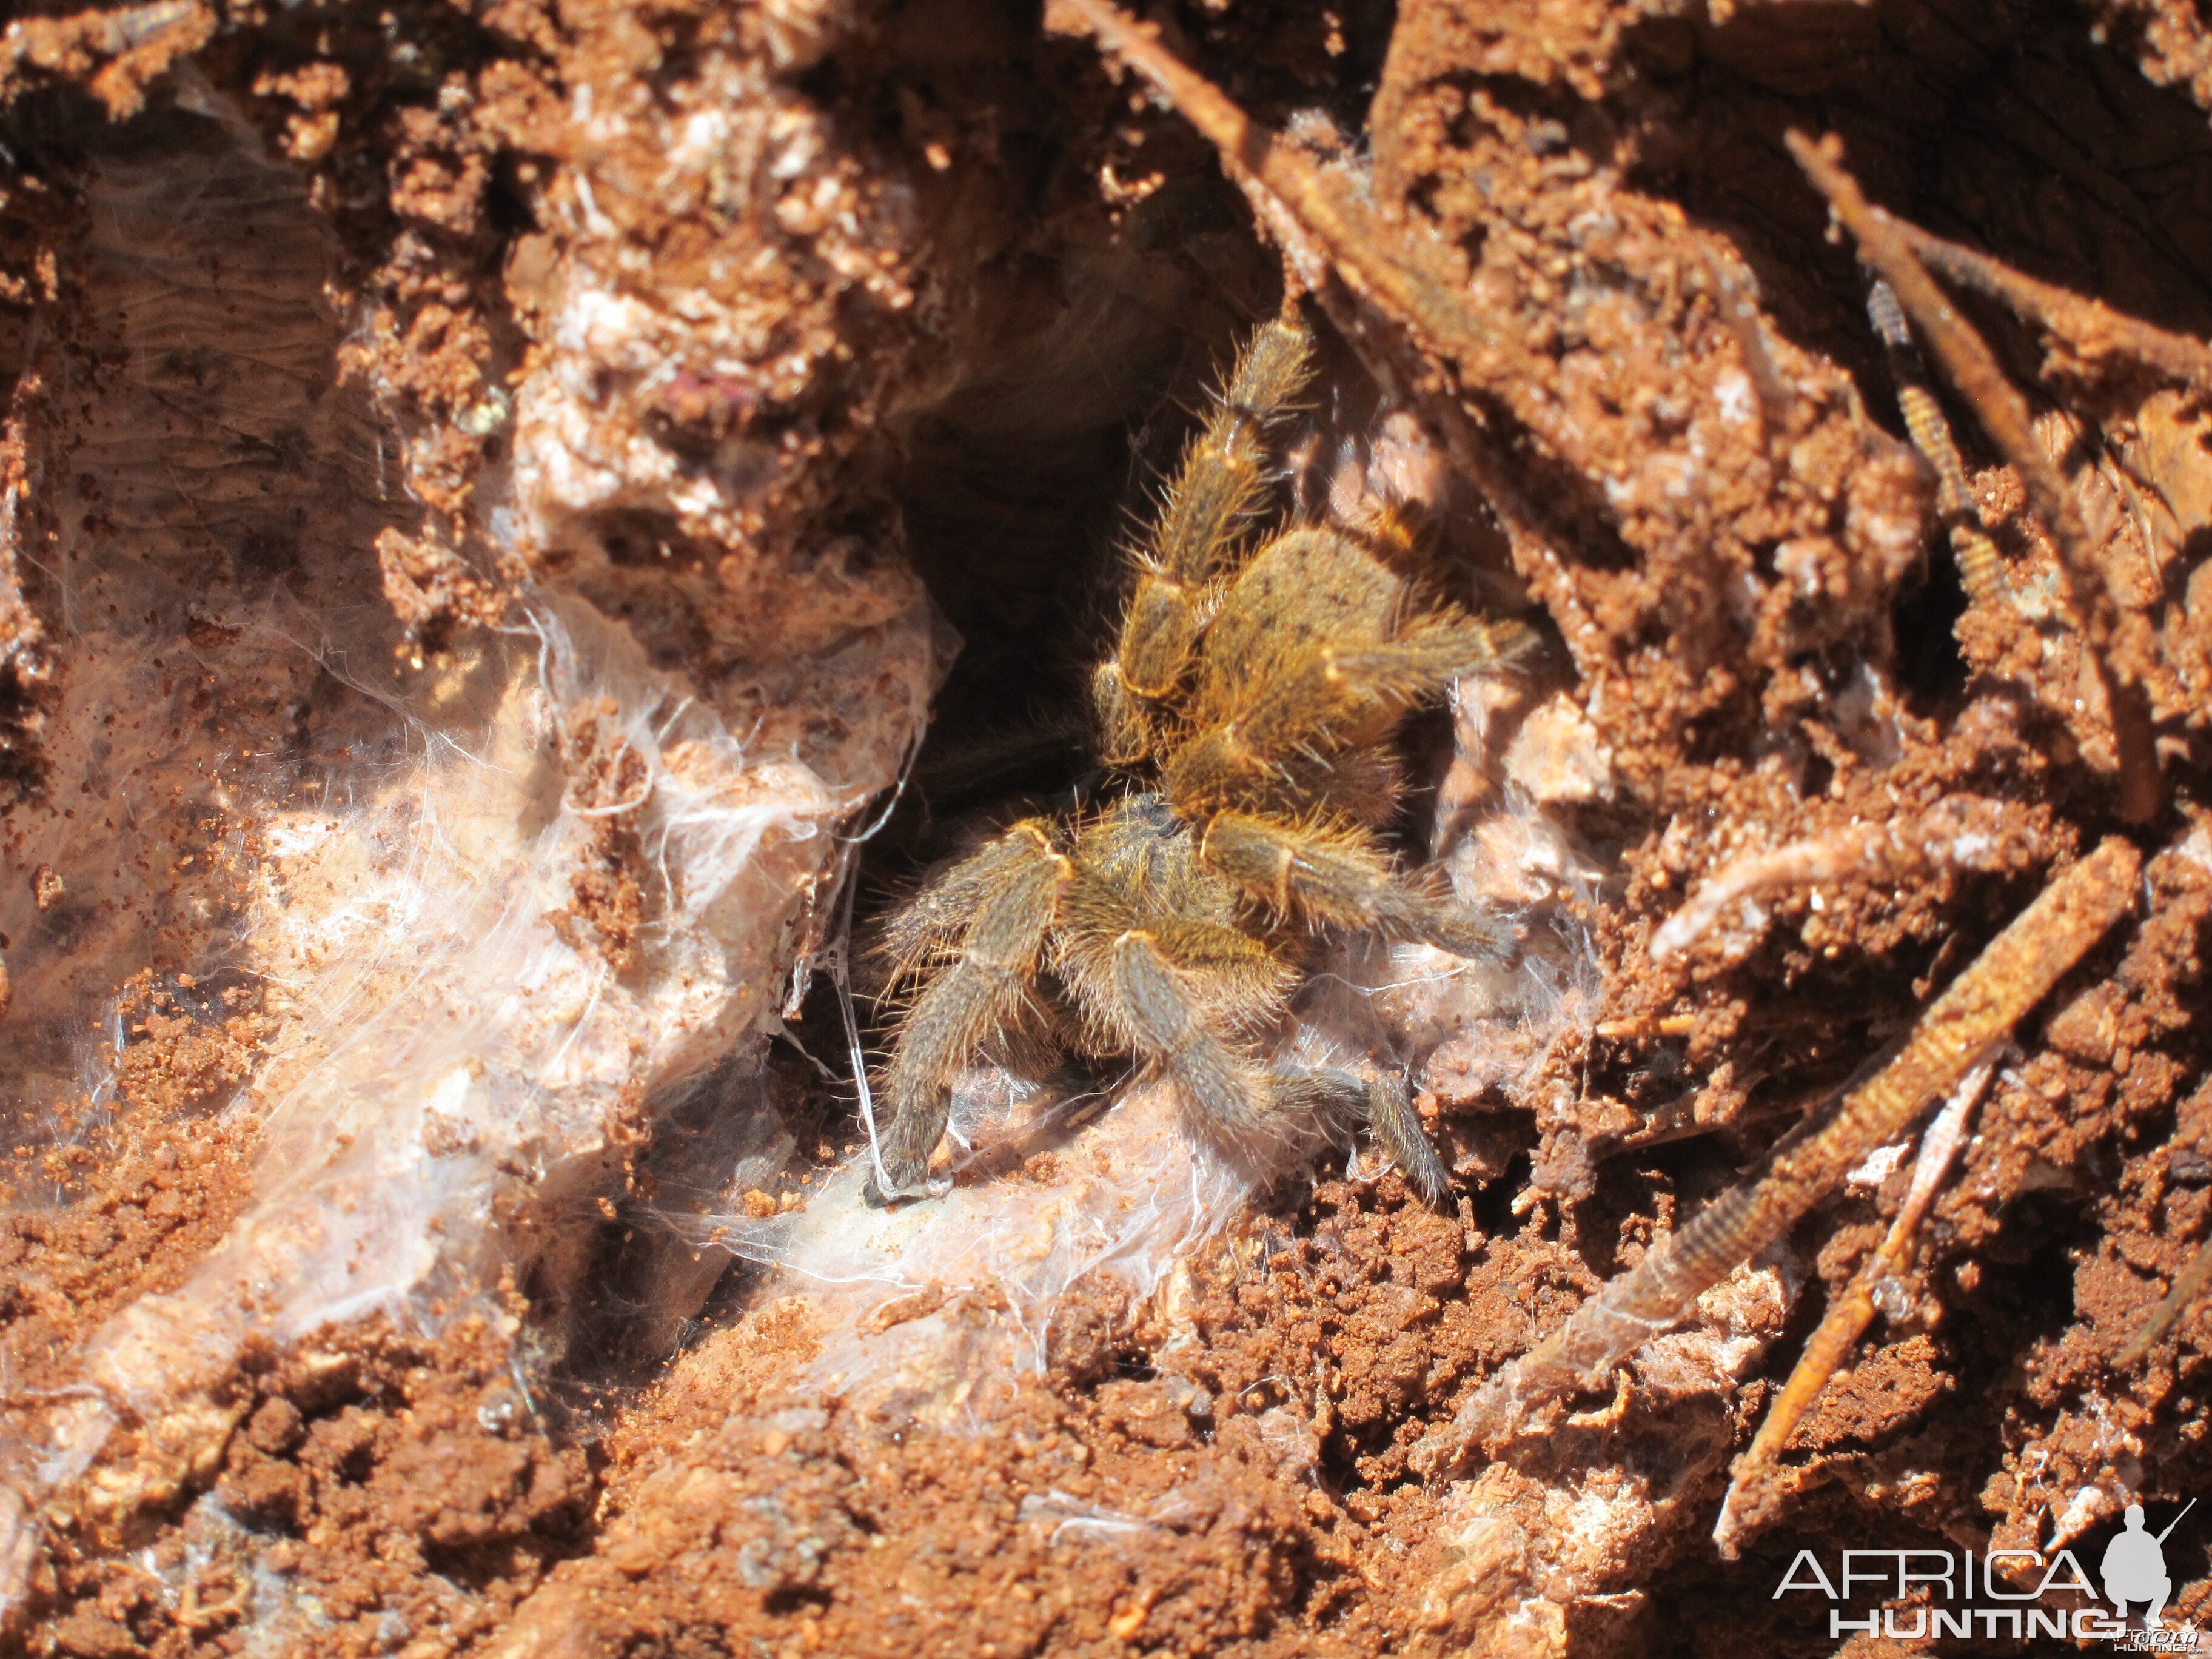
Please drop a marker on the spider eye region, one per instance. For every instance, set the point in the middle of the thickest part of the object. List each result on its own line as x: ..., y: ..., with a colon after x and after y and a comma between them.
x: 1153, y: 813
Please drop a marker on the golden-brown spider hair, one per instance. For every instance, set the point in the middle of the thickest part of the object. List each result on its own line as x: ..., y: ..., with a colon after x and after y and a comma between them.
x: 1249, y: 706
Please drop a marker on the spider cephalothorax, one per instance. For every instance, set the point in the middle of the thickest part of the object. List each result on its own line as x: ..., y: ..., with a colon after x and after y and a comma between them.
x: 1249, y: 703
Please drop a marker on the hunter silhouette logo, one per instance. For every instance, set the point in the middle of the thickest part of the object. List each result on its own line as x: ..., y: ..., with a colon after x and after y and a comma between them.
x: 2135, y: 1566
x: 1911, y: 1595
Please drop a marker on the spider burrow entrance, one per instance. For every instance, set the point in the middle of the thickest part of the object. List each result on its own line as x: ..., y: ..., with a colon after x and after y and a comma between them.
x: 1256, y: 682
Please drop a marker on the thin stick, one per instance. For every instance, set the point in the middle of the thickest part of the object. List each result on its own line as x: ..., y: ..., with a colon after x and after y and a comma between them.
x: 1751, y: 1495
x: 1875, y: 851
x: 2090, y: 328
x: 1951, y: 831
x: 1356, y: 239
x: 1977, y: 1010
x: 1395, y: 267
x: 2003, y: 413
x: 2186, y: 1289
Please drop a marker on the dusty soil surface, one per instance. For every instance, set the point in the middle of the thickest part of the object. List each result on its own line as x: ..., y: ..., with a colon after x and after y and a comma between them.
x: 927, y: 287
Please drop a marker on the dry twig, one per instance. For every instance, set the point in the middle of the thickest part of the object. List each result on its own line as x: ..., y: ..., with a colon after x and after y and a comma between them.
x: 2186, y: 1289
x: 2003, y: 413
x: 1363, y: 250
x: 2091, y: 330
x: 1407, y: 276
x: 1976, y: 1011
x: 1959, y: 830
x: 1752, y: 1494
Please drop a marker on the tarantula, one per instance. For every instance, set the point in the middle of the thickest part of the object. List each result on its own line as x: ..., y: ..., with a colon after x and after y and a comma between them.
x: 1248, y: 709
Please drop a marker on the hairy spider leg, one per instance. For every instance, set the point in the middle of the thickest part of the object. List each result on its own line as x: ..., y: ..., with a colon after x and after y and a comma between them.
x: 1149, y: 949
x: 1137, y: 870
x: 925, y: 932
x: 1308, y: 668
x: 1360, y: 784
x: 1017, y: 884
x: 1336, y: 874
x: 1314, y: 654
x: 1397, y: 1126
x: 1337, y: 700
x: 1316, y: 587
x: 1159, y: 1014
x: 1159, y: 1009
x: 1333, y: 1101
x: 1216, y: 490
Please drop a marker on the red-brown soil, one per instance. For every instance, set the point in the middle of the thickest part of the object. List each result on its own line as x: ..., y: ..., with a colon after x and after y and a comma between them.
x: 947, y: 314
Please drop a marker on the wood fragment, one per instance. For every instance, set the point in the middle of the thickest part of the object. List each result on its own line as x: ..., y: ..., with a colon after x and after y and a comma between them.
x: 1875, y: 851
x: 1976, y: 1011
x: 1678, y: 1120
x: 1885, y: 852
x: 2186, y: 1289
x: 2090, y: 329
x: 1647, y: 1026
x: 2003, y: 413
x: 1355, y: 238
x: 1407, y: 274
x: 1752, y: 1493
